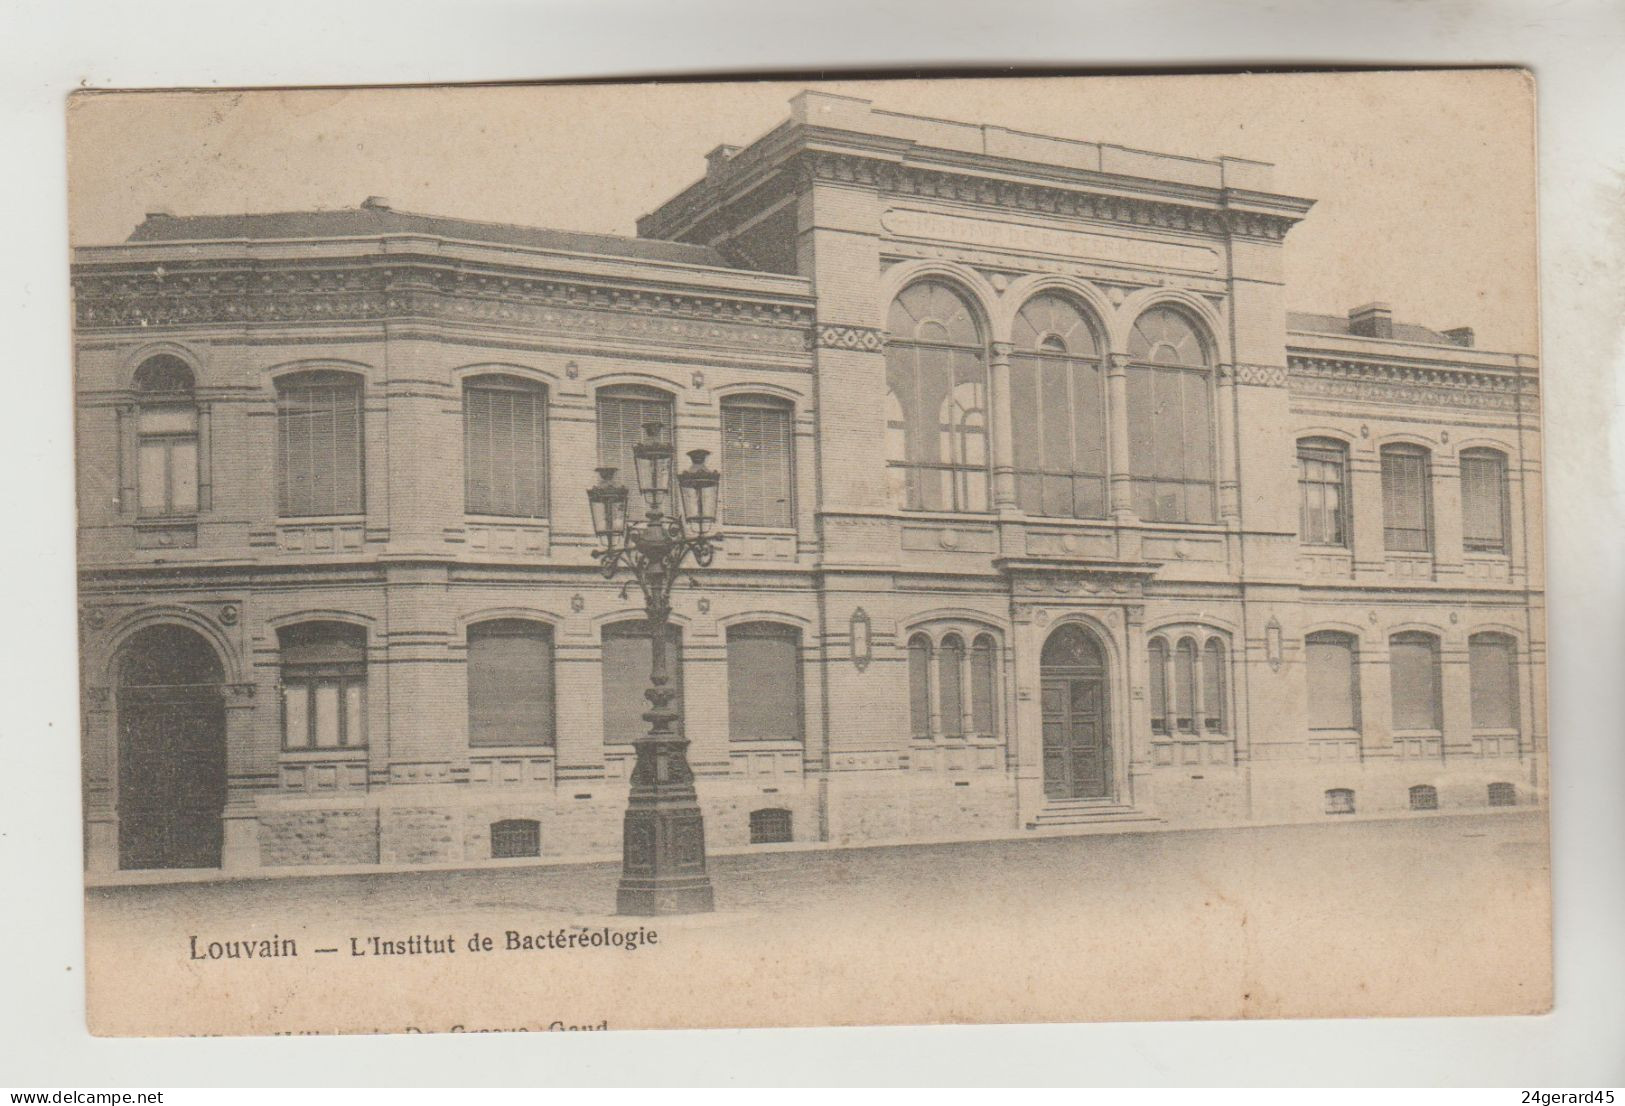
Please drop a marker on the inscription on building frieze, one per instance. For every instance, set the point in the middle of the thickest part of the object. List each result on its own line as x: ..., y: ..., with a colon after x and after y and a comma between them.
x: 1029, y: 238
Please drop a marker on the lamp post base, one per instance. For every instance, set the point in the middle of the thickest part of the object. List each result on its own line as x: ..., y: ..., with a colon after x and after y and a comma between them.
x: 651, y: 898
x: 663, y: 860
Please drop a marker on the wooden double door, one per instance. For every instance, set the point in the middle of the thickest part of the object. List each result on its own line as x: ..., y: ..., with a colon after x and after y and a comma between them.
x: 172, y: 777
x: 1076, y: 722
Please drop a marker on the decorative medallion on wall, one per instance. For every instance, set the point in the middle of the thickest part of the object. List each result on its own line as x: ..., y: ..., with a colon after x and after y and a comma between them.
x: 228, y: 614
x: 862, y: 646
x: 704, y: 605
x: 577, y: 603
x: 698, y: 379
x: 572, y: 370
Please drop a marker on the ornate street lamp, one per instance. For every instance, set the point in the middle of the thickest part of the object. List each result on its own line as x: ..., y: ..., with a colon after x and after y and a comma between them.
x: 663, y: 839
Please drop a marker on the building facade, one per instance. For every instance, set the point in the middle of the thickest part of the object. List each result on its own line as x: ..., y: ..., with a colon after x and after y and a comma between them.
x: 1043, y: 514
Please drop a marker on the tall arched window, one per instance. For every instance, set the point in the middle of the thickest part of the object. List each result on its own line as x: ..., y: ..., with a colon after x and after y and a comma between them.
x: 1159, y: 686
x: 1213, y: 701
x: 1407, y: 509
x: 319, y: 444
x: 1170, y: 419
x: 756, y: 461
x: 166, y: 438
x: 622, y: 411
x: 1413, y: 671
x: 936, y: 379
x: 1185, y: 686
x: 764, y: 682
x: 983, y: 680
x: 510, y: 683
x: 1492, y: 661
x: 1484, y: 500
x: 1323, y: 499
x: 505, y: 447
x: 950, y: 685
x: 919, y: 686
x: 1058, y: 407
x: 1331, y: 659
x: 324, y: 685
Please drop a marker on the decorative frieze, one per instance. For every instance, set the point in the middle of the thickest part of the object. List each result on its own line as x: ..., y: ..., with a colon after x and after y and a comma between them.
x: 1262, y: 376
x: 1340, y: 378
x: 865, y: 339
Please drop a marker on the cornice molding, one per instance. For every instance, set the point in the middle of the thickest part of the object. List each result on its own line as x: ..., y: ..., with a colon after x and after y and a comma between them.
x: 1341, y: 378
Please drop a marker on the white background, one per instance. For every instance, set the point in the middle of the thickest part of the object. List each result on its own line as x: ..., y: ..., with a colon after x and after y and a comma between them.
x: 1577, y: 52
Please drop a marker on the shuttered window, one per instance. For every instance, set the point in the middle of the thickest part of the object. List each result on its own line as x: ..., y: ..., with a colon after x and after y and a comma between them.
x: 1413, y: 672
x: 505, y: 447
x: 1185, y: 686
x: 319, y: 445
x: 1484, y: 500
x: 764, y: 682
x: 1213, y: 704
x: 324, y: 682
x: 756, y: 463
x: 510, y: 683
x: 983, y: 677
x: 622, y: 411
x: 1323, y: 492
x: 1159, y: 686
x: 1334, y: 690
x: 1405, y: 499
x: 626, y: 664
x: 1170, y: 420
x: 919, y: 685
x: 1493, y: 660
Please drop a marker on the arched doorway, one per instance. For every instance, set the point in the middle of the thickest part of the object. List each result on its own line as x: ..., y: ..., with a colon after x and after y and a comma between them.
x: 171, y: 750
x: 1077, y: 734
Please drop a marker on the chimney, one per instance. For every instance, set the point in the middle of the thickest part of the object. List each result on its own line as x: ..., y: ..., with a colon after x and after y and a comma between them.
x: 1374, y: 320
x: 375, y: 203
x: 717, y: 158
x: 1461, y: 336
x: 161, y: 213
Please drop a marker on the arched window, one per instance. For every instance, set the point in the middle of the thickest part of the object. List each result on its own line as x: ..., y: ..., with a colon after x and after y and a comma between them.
x: 1058, y: 407
x: 919, y: 685
x: 1159, y: 686
x: 510, y: 683
x: 1407, y: 509
x: 1185, y: 686
x: 166, y: 438
x: 1170, y: 419
x: 622, y: 411
x: 1334, y: 680
x: 626, y: 664
x: 319, y: 444
x: 324, y: 685
x: 1323, y: 498
x: 1213, y: 702
x: 936, y: 377
x: 950, y: 689
x: 1492, y: 660
x: 1413, y: 672
x: 983, y: 680
x: 756, y: 461
x: 1484, y: 500
x: 764, y: 682
x: 505, y: 447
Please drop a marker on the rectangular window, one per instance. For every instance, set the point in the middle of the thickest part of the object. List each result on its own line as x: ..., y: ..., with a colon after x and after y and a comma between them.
x: 1334, y: 701
x: 626, y: 668
x: 1322, y: 494
x: 505, y: 448
x: 1494, y: 683
x: 166, y: 460
x: 1413, y: 670
x: 622, y: 413
x: 510, y: 683
x: 324, y: 681
x: 1405, y: 499
x: 319, y: 446
x: 1483, y: 501
x: 756, y: 464
x: 764, y: 682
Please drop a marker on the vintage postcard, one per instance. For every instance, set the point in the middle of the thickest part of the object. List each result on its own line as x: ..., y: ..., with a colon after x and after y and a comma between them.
x: 761, y: 554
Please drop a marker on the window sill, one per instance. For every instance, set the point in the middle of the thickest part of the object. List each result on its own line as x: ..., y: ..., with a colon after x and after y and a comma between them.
x: 510, y: 750
x: 765, y: 744
x: 345, y: 752
x: 320, y: 520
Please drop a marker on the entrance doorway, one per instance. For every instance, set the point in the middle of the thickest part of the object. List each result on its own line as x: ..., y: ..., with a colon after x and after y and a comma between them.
x: 172, y: 751
x: 1077, y: 742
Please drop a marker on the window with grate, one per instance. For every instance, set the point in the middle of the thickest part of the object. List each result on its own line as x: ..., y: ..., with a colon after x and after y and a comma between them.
x: 1323, y: 499
x: 936, y: 400
x: 1170, y: 419
x: 1058, y: 404
x: 1340, y: 800
x: 764, y: 682
x: 510, y: 683
x: 1406, y: 499
x: 324, y: 685
x: 505, y: 447
x: 515, y: 837
x: 1334, y: 681
x: 1424, y: 797
x: 770, y: 827
x: 756, y: 462
x: 319, y: 470
x: 1484, y: 500
x: 1503, y: 794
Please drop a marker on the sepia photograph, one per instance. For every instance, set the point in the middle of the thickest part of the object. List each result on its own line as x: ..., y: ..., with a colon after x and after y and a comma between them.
x: 814, y: 553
